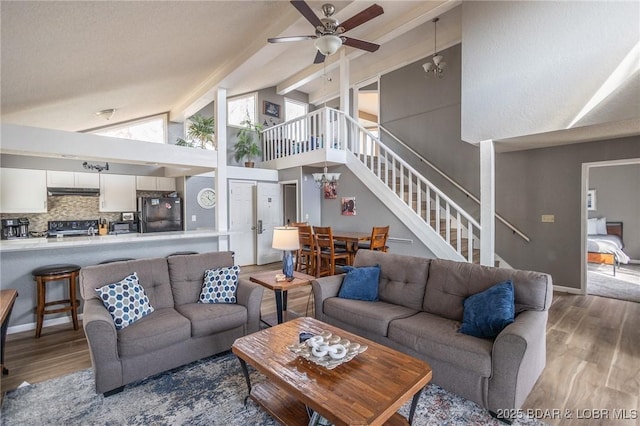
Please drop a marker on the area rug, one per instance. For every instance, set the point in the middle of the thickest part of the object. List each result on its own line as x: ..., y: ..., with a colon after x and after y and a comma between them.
x: 624, y: 286
x: 206, y: 392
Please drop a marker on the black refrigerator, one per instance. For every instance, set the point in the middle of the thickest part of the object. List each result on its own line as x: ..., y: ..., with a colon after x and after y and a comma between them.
x: 160, y: 214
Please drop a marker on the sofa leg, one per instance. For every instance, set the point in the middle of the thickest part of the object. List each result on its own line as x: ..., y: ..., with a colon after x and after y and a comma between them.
x: 501, y: 419
x: 113, y: 391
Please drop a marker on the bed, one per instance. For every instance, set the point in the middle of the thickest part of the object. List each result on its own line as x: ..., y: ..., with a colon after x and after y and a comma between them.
x: 605, y: 244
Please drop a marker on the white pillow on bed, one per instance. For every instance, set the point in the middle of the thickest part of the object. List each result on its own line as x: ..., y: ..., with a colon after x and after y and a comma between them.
x: 601, y: 226
x: 591, y: 226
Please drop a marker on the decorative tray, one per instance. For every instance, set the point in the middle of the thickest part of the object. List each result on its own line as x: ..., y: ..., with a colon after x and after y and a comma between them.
x: 326, y: 344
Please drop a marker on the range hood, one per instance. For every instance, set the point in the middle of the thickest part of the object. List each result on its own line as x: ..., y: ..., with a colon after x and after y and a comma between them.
x: 85, y: 192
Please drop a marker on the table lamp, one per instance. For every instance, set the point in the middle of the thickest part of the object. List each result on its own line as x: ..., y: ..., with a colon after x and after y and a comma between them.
x: 286, y: 238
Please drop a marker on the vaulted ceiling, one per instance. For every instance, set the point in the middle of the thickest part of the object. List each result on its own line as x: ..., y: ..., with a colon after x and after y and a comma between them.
x: 64, y: 61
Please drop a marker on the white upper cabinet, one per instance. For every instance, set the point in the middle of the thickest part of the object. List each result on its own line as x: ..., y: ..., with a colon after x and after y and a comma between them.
x: 117, y: 193
x: 155, y: 183
x: 57, y: 179
x: 23, y: 191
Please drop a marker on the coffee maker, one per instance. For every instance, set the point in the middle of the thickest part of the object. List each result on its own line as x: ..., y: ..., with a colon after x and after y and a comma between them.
x: 15, y: 228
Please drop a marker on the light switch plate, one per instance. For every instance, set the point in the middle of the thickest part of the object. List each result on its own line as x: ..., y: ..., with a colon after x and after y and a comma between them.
x: 193, y: 218
x: 548, y: 218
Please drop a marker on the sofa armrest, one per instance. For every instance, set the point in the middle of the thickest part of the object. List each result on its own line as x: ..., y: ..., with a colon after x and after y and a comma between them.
x: 250, y: 295
x: 518, y: 358
x: 103, y: 345
x: 323, y: 288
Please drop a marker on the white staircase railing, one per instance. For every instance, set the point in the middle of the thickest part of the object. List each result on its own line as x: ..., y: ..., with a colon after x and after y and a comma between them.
x: 331, y: 129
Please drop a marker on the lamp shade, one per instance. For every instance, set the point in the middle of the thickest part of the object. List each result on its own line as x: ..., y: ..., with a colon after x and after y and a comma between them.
x: 328, y: 44
x: 285, y: 238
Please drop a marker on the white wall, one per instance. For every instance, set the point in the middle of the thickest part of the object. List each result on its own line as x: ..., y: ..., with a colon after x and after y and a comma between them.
x: 531, y: 67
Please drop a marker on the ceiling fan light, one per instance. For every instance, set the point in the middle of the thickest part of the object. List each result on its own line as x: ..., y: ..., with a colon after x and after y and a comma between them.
x: 328, y: 44
x: 428, y: 66
x: 437, y: 59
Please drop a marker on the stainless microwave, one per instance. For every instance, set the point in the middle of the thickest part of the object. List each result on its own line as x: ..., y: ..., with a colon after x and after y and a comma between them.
x: 123, y: 227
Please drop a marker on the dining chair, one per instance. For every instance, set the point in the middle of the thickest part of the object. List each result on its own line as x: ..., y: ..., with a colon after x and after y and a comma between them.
x: 328, y: 253
x: 306, y: 256
x: 378, y: 242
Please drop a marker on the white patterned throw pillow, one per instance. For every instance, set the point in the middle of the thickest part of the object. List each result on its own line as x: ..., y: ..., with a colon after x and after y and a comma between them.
x: 220, y: 285
x: 125, y: 300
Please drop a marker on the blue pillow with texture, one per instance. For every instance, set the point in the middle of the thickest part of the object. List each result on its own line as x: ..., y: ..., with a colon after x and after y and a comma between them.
x: 220, y: 285
x: 488, y: 312
x: 125, y: 300
x: 360, y: 283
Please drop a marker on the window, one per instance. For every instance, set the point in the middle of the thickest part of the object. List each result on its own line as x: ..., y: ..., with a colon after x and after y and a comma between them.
x: 294, y: 109
x: 241, y: 108
x: 151, y: 129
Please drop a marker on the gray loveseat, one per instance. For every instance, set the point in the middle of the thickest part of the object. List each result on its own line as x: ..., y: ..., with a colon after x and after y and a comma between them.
x: 419, y: 312
x: 179, y: 331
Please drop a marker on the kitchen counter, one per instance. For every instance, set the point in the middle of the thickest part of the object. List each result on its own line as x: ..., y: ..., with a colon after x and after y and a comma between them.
x: 75, y: 241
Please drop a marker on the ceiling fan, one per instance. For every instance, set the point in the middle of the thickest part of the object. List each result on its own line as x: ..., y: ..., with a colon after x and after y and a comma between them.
x: 329, y: 31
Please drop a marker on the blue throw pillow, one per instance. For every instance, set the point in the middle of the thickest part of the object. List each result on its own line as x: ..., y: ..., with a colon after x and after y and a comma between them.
x: 487, y: 313
x: 360, y: 283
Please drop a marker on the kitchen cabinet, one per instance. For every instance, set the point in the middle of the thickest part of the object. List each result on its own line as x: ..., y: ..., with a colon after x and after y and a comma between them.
x: 155, y: 183
x: 117, y: 193
x: 58, y: 179
x: 23, y: 191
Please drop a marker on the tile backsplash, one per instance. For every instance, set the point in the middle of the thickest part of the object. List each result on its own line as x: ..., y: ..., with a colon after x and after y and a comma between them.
x: 65, y: 207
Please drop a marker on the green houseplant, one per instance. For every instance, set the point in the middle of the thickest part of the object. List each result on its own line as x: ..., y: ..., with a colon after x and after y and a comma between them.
x: 248, y: 144
x: 200, y: 133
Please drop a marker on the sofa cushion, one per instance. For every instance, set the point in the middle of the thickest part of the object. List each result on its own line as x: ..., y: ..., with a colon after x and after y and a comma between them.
x: 402, y: 278
x: 451, y: 282
x: 488, y: 312
x: 125, y: 300
x: 360, y: 283
x: 163, y: 327
x: 220, y: 285
x: 153, y: 275
x: 187, y: 273
x: 207, y: 319
x: 438, y: 337
x: 371, y: 316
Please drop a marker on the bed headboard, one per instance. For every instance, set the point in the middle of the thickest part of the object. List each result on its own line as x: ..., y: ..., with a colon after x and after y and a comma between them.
x: 615, y: 228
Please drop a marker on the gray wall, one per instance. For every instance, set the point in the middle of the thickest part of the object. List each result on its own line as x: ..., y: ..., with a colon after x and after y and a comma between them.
x: 425, y: 113
x: 370, y: 212
x: 205, y: 218
x: 618, y: 199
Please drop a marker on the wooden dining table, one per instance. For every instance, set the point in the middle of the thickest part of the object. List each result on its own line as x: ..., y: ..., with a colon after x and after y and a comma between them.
x: 351, y: 239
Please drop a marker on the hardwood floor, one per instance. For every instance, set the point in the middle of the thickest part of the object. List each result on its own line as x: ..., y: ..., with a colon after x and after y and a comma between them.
x: 592, y: 372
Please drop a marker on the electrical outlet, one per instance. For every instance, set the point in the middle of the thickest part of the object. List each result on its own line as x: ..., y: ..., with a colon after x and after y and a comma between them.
x: 548, y: 218
x: 193, y: 218
x: 306, y: 216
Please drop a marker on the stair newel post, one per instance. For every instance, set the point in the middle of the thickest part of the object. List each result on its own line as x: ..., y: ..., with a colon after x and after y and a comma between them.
x: 487, y: 202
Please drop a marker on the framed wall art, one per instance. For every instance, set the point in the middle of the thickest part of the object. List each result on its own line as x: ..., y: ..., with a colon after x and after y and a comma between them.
x: 348, y: 206
x: 271, y: 109
x: 591, y: 199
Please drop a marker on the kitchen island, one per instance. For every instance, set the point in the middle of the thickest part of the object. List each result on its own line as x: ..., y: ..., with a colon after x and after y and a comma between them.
x: 19, y: 257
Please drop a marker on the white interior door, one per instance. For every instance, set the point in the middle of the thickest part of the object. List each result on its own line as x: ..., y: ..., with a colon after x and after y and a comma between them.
x: 269, y: 216
x: 242, y: 222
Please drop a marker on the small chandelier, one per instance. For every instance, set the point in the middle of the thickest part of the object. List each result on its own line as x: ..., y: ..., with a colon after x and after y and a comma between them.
x: 323, y: 178
x: 436, y: 65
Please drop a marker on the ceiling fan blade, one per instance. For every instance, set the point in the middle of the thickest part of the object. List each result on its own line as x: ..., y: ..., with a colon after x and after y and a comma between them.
x: 306, y: 11
x: 362, y: 17
x: 292, y: 38
x: 360, y: 44
x: 319, y: 58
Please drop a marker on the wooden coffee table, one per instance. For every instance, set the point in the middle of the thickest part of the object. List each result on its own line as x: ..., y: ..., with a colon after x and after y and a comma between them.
x: 268, y: 279
x: 368, y: 390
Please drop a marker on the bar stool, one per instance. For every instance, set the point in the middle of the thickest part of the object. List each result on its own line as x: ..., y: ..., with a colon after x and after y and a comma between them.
x: 58, y: 272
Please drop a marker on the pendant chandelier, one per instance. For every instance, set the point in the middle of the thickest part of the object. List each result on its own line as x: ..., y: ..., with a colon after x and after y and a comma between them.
x: 321, y: 179
x: 436, y: 65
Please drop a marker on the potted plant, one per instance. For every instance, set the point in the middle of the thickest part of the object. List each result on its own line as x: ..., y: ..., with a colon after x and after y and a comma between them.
x: 248, y: 146
x: 200, y: 133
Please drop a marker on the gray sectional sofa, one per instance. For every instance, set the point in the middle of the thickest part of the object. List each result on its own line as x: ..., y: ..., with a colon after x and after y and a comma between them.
x: 419, y: 312
x: 177, y: 332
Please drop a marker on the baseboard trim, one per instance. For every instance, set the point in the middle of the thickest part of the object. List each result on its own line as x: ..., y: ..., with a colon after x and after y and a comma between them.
x: 563, y: 289
x: 47, y: 323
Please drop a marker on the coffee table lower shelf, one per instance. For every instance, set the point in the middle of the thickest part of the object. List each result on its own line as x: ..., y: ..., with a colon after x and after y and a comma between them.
x: 291, y: 412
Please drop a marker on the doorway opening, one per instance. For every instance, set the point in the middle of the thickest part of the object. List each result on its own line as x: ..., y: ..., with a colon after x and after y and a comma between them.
x: 611, y: 229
